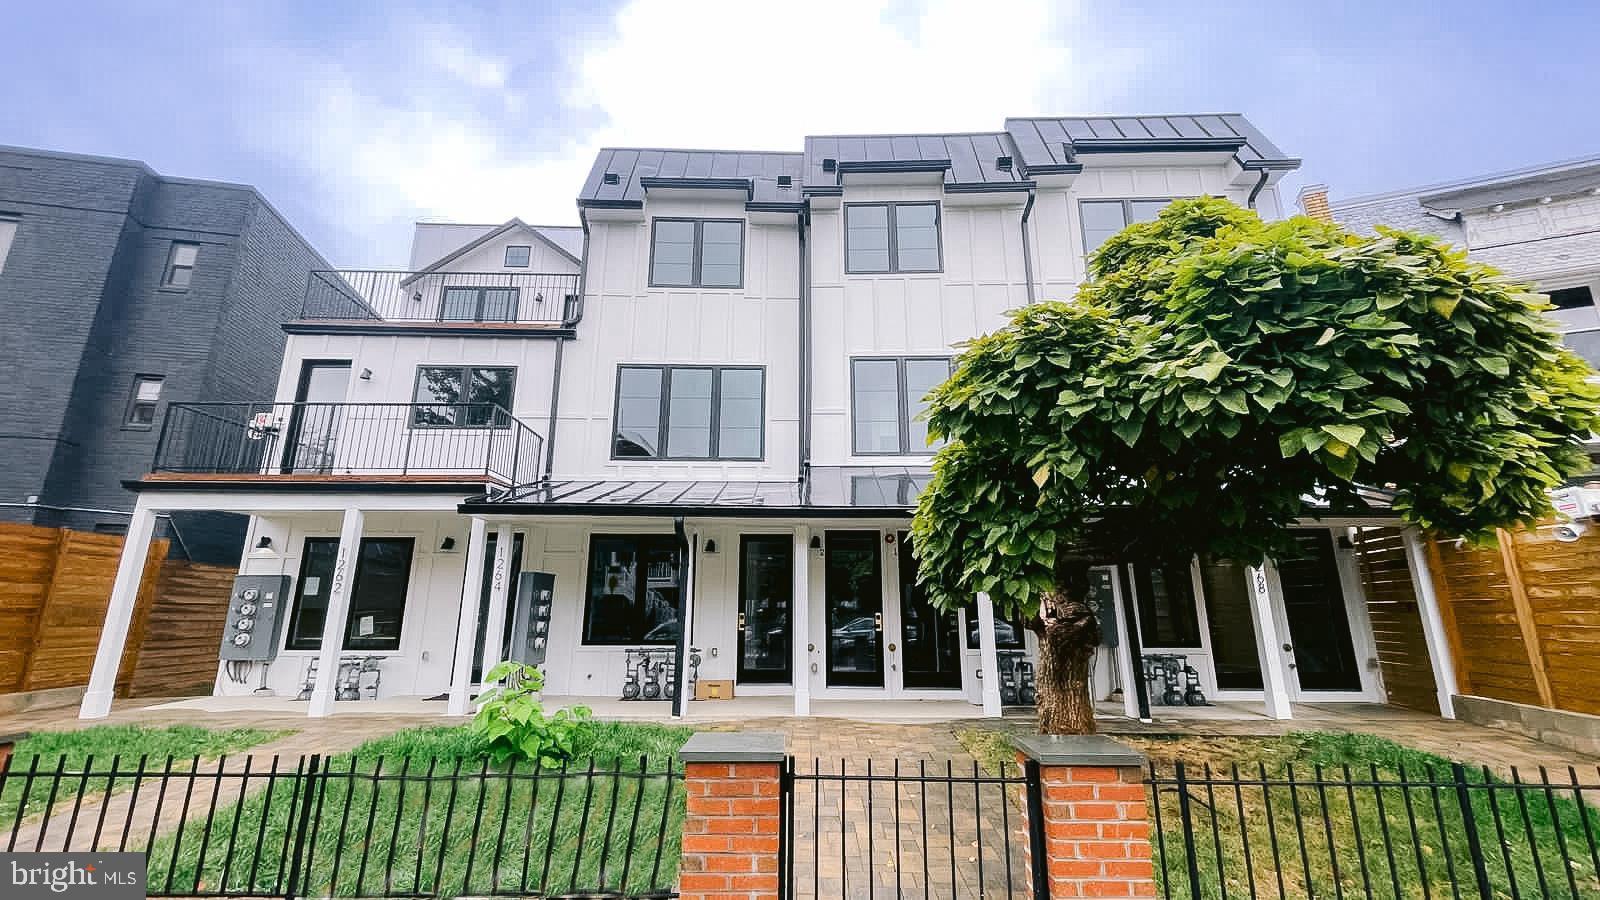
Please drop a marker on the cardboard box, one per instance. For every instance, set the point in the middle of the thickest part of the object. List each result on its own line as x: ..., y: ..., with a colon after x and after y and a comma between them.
x: 713, y: 689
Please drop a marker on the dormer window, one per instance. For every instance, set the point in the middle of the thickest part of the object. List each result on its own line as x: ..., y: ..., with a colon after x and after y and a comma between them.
x: 517, y: 256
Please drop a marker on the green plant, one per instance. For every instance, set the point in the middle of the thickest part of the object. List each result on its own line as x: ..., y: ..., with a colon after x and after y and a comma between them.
x: 513, y: 724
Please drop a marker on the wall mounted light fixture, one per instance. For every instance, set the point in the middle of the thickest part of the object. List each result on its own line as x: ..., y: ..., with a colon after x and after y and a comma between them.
x: 448, y: 544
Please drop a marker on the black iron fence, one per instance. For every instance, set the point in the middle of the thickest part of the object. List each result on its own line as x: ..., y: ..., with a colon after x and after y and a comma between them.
x: 904, y: 830
x: 370, y: 828
x: 528, y: 298
x: 468, y: 439
x: 1455, y: 832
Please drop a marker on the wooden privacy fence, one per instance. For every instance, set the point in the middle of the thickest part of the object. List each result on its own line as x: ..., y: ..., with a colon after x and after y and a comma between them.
x: 1391, y: 597
x: 55, y: 585
x: 1523, y: 617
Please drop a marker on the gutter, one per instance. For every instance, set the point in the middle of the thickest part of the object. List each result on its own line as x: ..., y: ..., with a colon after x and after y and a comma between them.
x: 1027, y: 250
x: 805, y: 346
x: 561, y: 345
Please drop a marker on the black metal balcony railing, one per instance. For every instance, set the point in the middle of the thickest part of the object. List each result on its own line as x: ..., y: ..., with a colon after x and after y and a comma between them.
x: 522, y: 298
x: 472, y: 440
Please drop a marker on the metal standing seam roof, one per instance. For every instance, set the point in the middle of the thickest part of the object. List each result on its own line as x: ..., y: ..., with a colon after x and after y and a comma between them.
x: 1056, y: 141
x: 831, y: 490
x: 972, y: 157
x: 630, y: 164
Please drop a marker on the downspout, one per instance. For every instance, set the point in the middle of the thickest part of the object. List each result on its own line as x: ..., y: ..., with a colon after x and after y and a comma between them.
x: 680, y: 703
x: 561, y: 343
x: 802, y: 221
x: 1027, y: 249
x: 1256, y: 191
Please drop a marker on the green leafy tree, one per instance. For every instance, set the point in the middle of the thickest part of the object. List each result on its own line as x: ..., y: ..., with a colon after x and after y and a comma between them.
x: 1214, y: 375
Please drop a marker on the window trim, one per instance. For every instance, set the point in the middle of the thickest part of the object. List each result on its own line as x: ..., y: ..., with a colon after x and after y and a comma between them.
x: 1127, y: 215
x: 466, y: 383
x: 903, y: 401
x: 527, y: 260
x: 588, y: 574
x: 698, y: 249
x: 128, y: 424
x: 894, y: 239
x: 355, y: 573
x: 479, y: 303
x: 170, y: 267
x: 666, y: 399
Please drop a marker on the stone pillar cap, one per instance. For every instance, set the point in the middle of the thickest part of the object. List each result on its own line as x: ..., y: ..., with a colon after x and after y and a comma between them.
x: 733, y: 747
x: 1078, y: 750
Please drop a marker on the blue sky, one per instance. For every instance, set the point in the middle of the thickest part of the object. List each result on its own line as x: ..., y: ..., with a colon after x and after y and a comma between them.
x: 355, y: 119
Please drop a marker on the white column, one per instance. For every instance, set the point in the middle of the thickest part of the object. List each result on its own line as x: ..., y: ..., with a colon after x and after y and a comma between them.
x: 1274, y: 678
x: 119, y: 614
x: 337, y: 616
x: 800, y: 621
x: 500, y: 578
x: 467, y: 625
x: 682, y: 698
x: 988, y: 657
x: 1124, y: 652
x: 1444, y: 664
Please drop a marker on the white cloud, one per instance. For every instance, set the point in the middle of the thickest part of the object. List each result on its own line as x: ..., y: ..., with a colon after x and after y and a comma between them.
x: 730, y: 74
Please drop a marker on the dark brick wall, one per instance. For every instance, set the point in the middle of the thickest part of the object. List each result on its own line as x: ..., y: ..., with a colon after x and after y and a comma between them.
x: 84, y: 311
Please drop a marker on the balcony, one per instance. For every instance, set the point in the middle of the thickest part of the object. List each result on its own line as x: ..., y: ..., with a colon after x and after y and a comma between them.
x: 476, y: 300
x: 454, y: 443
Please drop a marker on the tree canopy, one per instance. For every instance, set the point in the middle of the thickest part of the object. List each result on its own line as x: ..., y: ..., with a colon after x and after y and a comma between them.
x: 1216, y: 374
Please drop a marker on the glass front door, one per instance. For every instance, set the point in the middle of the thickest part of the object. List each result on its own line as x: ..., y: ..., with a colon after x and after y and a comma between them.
x: 1321, y: 651
x: 930, y: 639
x: 766, y: 588
x: 854, y: 607
x: 313, y: 426
x: 513, y: 568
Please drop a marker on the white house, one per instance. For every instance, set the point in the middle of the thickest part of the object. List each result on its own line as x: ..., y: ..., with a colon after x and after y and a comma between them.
x: 693, y: 421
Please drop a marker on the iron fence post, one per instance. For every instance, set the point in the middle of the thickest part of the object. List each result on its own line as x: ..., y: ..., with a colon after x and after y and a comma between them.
x: 1185, y: 817
x: 1480, y: 869
x: 1037, y: 845
x: 785, y: 814
x: 302, y: 822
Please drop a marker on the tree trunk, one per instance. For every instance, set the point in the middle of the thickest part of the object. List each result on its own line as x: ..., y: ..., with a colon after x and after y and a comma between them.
x: 1069, y: 633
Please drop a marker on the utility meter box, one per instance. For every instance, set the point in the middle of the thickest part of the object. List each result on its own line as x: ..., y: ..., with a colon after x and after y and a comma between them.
x: 530, y: 620
x: 256, y: 612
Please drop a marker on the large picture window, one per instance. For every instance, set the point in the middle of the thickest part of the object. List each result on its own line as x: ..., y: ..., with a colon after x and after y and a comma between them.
x: 697, y: 253
x: 887, y: 403
x: 1167, y: 616
x: 463, y: 396
x: 377, y: 594
x: 883, y: 238
x: 689, y: 412
x: 1104, y: 218
x: 632, y: 596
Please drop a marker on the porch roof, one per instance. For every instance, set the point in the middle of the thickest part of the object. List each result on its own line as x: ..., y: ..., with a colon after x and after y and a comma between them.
x: 831, y: 491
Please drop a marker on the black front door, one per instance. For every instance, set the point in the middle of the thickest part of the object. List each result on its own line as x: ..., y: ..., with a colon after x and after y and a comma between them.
x: 766, y: 588
x: 854, y: 603
x: 930, y: 638
x: 1319, y: 625
x: 314, y: 425
x: 513, y: 569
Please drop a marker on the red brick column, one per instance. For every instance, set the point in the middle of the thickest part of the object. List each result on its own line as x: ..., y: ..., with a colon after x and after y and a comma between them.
x: 1096, y: 838
x: 730, y: 835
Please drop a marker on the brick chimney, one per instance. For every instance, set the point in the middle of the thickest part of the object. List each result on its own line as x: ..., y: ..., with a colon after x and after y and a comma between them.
x: 1314, y: 202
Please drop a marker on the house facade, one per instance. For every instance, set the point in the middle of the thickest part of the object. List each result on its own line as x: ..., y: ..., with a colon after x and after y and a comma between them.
x: 682, y: 441
x: 126, y: 290
x: 1540, y: 224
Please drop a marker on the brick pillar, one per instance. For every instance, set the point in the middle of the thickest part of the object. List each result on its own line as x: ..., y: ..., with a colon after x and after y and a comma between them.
x: 730, y: 835
x: 1096, y: 838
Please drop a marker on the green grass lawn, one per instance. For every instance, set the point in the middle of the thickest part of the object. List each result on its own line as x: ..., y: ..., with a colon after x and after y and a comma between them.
x: 1348, y: 826
x: 87, y: 751
x: 421, y: 812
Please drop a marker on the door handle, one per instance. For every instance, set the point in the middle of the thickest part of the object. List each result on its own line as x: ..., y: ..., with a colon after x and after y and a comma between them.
x: 1288, y: 648
x: 877, y: 622
x: 741, y: 620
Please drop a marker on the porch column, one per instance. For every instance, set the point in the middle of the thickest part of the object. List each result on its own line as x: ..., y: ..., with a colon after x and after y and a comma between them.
x: 800, y: 620
x: 467, y: 625
x: 1433, y: 629
x: 119, y: 614
x: 499, y: 589
x: 680, y: 695
x: 988, y: 657
x: 338, y: 614
x: 1274, y: 679
x: 1122, y: 650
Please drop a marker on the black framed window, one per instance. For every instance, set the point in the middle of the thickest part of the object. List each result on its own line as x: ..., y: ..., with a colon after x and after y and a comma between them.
x: 883, y: 238
x: 478, y: 304
x: 518, y: 255
x: 8, y: 233
x: 697, y: 253
x: 887, y: 399
x: 632, y: 595
x: 463, y: 396
x: 181, y: 259
x: 142, y: 400
x: 1565, y: 298
x: 1167, y: 616
x: 377, y: 594
x: 1103, y: 218
x: 689, y: 412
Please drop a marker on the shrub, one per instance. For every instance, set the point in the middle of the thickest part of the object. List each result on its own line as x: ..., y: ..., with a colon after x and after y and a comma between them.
x: 512, y: 722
